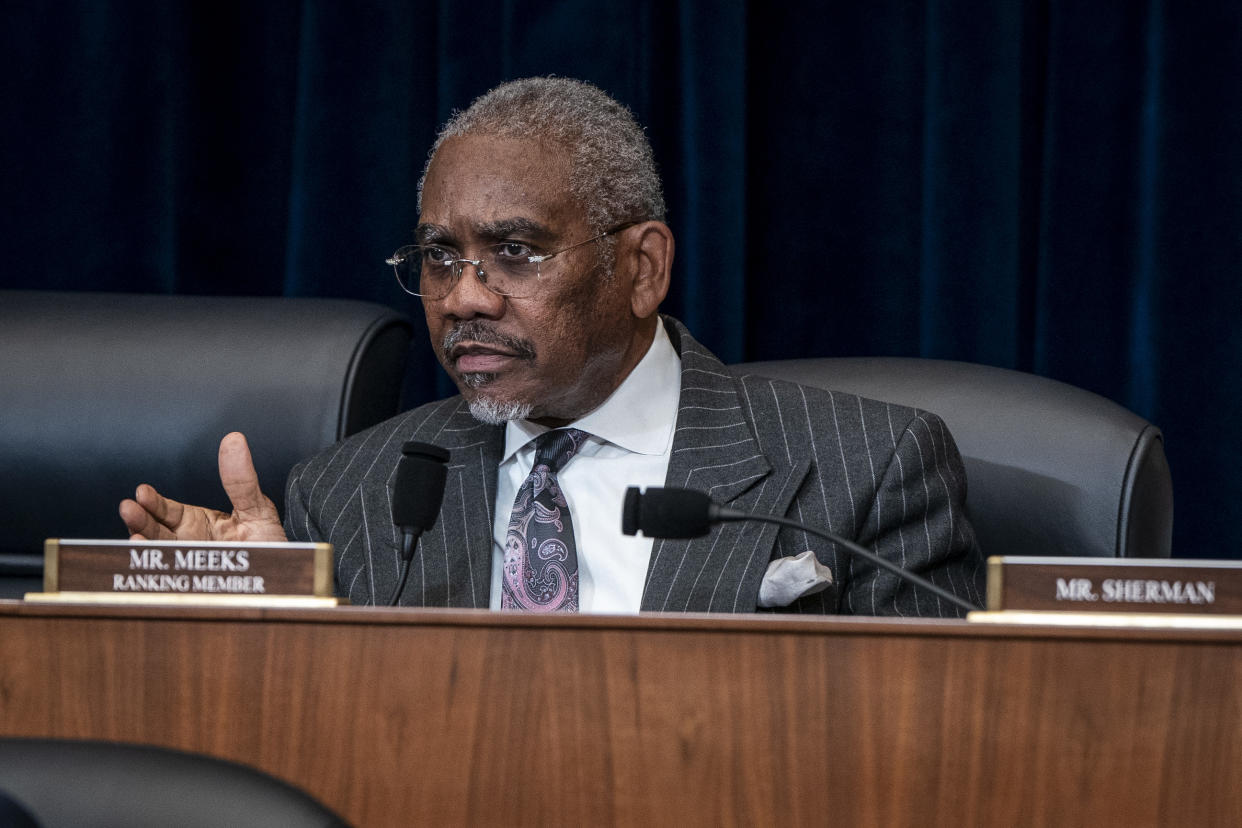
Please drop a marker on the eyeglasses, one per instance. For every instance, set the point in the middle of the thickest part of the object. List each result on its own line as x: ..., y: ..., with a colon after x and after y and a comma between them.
x: 510, y: 269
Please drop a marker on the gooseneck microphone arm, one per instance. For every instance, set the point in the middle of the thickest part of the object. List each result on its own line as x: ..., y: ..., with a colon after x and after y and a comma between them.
x: 722, y: 514
x: 409, y: 536
x: 685, y: 513
x: 417, y: 492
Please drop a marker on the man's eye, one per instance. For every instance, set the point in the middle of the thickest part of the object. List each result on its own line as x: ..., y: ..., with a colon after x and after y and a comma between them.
x: 513, y: 250
x: 436, y: 255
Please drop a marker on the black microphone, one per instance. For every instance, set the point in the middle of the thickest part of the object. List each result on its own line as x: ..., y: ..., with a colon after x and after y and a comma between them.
x: 685, y: 513
x: 667, y: 513
x: 417, y: 492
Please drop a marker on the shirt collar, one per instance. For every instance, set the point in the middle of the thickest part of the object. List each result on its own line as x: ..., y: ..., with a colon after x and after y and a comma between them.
x: 639, y: 416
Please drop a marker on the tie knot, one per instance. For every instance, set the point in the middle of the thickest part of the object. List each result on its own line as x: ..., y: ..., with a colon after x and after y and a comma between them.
x: 554, y: 448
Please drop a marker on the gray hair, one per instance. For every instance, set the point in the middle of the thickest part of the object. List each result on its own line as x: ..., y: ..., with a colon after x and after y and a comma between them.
x: 612, y: 170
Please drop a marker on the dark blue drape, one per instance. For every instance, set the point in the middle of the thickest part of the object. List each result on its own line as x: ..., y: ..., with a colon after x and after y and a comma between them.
x: 1047, y: 185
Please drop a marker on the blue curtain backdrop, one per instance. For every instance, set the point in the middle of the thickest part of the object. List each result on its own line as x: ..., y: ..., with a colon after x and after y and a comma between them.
x: 1048, y: 185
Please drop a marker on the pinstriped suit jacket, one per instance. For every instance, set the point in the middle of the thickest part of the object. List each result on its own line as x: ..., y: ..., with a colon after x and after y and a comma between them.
x: 887, y: 476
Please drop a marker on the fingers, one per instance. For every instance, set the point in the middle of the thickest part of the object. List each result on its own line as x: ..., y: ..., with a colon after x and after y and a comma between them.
x: 141, y: 515
x: 151, y: 516
x: 135, y: 518
x: 156, y: 517
x: 240, y: 480
x: 168, y: 512
x: 254, y: 515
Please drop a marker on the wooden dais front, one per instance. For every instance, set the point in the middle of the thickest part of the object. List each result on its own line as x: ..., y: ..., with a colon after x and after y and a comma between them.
x: 404, y: 717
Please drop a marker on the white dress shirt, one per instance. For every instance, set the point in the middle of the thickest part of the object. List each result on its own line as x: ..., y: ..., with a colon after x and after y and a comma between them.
x: 630, y: 445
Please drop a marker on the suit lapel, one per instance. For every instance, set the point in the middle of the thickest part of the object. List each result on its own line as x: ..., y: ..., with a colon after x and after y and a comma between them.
x: 716, y: 450
x: 453, y: 565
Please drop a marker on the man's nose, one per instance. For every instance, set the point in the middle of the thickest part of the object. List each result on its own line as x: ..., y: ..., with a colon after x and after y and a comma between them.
x: 470, y: 296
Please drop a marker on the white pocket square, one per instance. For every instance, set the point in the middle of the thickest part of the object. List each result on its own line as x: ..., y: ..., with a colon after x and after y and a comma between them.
x: 788, y: 579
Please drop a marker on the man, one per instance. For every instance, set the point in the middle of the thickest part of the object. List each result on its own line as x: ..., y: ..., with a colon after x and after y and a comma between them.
x: 542, y: 259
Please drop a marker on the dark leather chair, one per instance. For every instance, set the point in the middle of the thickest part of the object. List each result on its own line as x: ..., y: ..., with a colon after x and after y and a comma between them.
x: 1052, y: 469
x: 101, y: 392
x: 86, y: 784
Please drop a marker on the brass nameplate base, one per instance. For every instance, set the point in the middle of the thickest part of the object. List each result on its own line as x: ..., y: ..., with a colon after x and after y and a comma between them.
x: 187, y: 572
x: 1110, y: 620
x: 1134, y: 586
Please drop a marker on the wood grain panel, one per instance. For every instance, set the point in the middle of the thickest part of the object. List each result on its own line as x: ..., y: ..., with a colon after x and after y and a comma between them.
x: 417, y: 717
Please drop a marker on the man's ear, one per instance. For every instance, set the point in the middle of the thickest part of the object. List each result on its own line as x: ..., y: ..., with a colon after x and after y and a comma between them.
x: 652, y: 263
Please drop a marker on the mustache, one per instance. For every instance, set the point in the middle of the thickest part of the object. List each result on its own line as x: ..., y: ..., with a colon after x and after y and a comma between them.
x: 478, y: 331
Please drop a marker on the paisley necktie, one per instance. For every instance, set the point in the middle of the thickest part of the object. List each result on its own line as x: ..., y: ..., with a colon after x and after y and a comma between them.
x: 540, y: 571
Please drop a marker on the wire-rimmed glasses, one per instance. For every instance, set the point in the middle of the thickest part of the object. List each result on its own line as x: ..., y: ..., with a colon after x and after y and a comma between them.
x: 511, y: 269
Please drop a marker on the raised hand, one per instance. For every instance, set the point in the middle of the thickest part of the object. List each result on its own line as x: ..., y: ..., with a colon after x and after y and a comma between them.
x: 151, y: 516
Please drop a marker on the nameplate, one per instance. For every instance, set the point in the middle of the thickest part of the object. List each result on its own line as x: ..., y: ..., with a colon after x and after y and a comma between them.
x: 1129, y: 585
x: 186, y: 571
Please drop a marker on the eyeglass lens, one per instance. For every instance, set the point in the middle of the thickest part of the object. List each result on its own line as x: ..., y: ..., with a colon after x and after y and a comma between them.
x: 431, y: 273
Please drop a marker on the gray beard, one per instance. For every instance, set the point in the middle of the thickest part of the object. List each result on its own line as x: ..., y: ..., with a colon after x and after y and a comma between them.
x: 492, y: 411
x: 497, y: 412
x: 484, y: 409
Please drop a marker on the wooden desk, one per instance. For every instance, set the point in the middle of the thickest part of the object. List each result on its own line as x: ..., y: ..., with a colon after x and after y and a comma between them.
x: 399, y: 717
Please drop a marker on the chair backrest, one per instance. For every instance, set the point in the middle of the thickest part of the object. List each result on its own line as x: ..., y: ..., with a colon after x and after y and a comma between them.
x: 101, y: 392
x: 1052, y: 469
x: 87, y: 784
